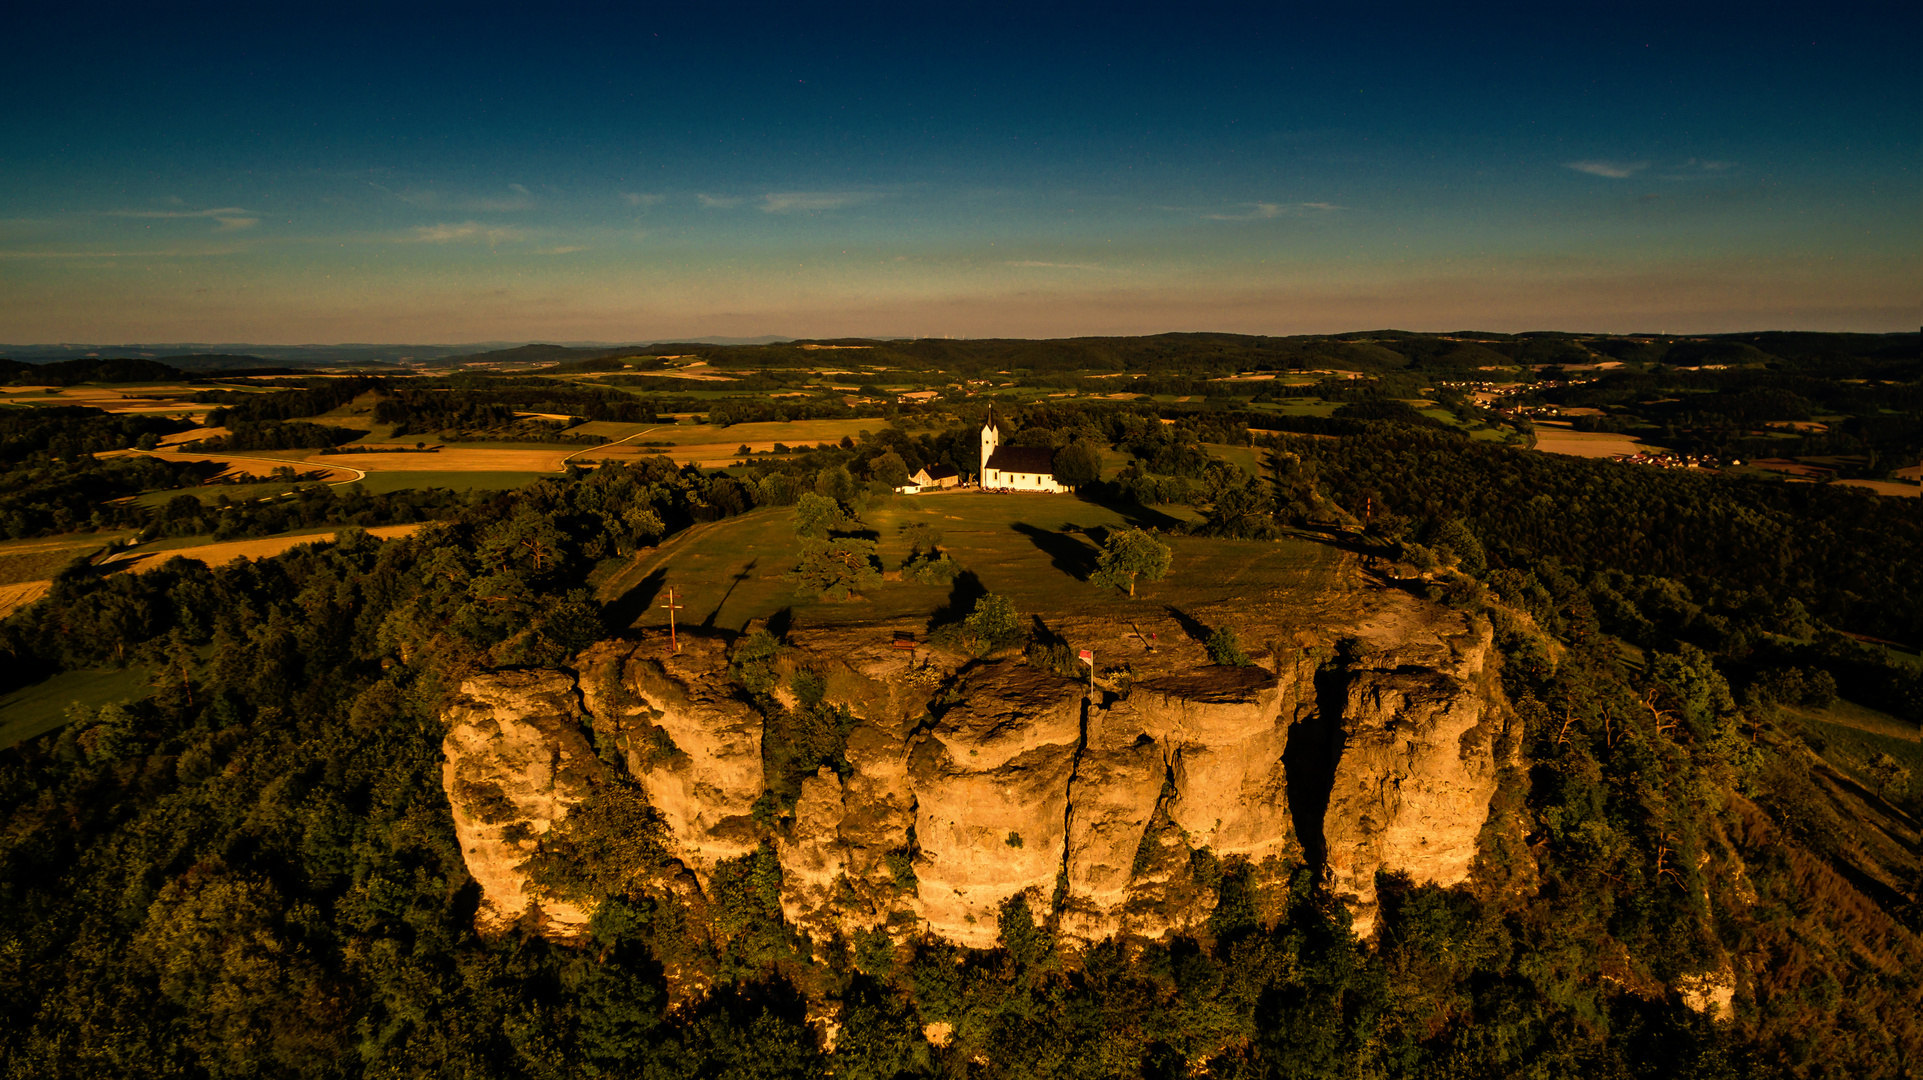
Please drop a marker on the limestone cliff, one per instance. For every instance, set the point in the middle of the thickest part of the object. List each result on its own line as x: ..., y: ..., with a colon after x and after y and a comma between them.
x: 516, y: 760
x: 687, y: 735
x: 1368, y: 743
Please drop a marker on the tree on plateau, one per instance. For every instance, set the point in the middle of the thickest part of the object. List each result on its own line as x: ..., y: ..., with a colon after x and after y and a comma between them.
x: 1127, y: 555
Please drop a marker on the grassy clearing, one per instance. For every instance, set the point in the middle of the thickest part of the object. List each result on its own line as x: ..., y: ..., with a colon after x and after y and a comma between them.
x: 379, y: 483
x: 42, y: 707
x: 1028, y: 547
x: 1859, y: 717
x: 1247, y: 458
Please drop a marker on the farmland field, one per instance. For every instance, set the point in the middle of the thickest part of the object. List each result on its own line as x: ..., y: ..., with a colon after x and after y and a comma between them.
x: 15, y: 596
x: 1588, y: 444
x: 148, y: 557
x: 454, y: 458
x: 380, y: 483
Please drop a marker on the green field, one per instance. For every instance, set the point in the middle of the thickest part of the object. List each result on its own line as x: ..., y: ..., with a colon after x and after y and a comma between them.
x: 791, y: 432
x: 379, y: 483
x: 1296, y: 407
x: 209, y: 494
x: 1027, y: 547
x: 38, y: 560
x: 42, y: 707
x: 1247, y: 458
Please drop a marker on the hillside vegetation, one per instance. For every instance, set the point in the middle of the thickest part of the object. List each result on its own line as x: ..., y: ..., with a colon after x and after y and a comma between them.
x: 241, y: 861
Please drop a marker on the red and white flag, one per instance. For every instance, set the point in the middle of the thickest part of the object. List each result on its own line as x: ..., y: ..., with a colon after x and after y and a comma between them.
x: 1086, y: 657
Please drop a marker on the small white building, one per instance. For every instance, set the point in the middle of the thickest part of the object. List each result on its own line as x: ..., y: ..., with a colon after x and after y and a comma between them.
x: 937, y: 476
x: 1015, y: 468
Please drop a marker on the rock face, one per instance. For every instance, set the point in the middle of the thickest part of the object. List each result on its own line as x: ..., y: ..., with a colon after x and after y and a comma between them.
x: 516, y: 761
x: 1368, y: 746
x: 1414, y: 768
x: 687, y: 736
x: 991, y: 782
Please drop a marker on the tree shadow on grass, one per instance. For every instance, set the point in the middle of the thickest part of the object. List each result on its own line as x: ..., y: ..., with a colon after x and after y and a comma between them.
x: 625, y: 610
x: 1142, y: 517
x: 1070, y: 555
x: 961, y: 600
x: 734, y: 583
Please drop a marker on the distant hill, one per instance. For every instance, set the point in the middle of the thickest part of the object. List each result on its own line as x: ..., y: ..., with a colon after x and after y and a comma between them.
x: 218, y: 362
x: 69, y: 372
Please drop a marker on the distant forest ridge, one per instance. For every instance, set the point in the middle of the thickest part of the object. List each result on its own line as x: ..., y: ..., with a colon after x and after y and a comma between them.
x: 1368, y: 351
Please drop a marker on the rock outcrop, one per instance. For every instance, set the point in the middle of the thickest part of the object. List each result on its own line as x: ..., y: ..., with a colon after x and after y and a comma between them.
x: 1414, y: 765
x: 516, y: 760
x: 688, y: 736
x: 991, y: 781
x: 1358, y: 747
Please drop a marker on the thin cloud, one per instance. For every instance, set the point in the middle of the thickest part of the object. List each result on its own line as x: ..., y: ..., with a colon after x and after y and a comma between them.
x: 1268, y: 211
x: 1699, y: 169
x: 430, y: 199
x: 226, y: 218
x: 1614, y: 170
x: 1039, y: 265
x: 717, y: 202
x: 788, y: 202
x: 451, y: 232
x: 640, y: 198
x: 567, y: 249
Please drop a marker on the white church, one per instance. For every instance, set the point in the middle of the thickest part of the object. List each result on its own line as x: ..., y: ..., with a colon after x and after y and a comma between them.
x: 1015, y: 468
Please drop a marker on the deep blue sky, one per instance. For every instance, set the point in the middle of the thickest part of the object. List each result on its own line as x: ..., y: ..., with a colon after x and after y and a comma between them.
x: 469, y: 174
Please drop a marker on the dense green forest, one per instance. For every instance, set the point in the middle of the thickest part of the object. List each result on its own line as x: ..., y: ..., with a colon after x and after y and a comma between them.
x: 251, y: 870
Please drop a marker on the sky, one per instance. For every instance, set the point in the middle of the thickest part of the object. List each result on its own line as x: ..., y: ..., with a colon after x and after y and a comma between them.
x: 493, y: 173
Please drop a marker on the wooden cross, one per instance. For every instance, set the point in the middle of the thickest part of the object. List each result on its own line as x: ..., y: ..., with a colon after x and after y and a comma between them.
x: 672, y: 608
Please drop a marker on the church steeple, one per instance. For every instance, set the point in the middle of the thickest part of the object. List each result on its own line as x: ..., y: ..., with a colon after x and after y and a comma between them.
x: 991, y: 438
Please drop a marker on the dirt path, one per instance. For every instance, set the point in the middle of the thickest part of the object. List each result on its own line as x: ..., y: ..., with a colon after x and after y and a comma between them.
x: 604, y: 446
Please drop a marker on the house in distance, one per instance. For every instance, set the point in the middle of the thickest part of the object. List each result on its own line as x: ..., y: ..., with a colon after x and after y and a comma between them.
x: 936, y: 476
x: 1015, y: 468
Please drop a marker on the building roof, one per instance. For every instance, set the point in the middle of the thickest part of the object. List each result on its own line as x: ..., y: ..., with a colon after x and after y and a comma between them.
x: 1024, y: 459
x: 941, y: 472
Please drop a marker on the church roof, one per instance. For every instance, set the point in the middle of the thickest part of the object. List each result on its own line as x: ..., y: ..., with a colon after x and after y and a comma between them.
x: 1024, y: 459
